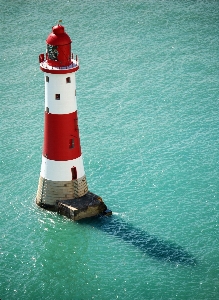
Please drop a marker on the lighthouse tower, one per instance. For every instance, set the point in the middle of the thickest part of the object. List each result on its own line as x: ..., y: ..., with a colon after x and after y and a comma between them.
x: 62, y: 181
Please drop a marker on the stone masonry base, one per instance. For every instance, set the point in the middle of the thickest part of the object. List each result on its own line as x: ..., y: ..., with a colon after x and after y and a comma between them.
x: 87, y: 206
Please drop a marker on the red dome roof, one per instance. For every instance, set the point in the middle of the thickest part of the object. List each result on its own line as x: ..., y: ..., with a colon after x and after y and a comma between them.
x: 58, y: 36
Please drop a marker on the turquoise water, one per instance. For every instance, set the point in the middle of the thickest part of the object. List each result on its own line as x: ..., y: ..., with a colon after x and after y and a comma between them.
x: 147, y: 93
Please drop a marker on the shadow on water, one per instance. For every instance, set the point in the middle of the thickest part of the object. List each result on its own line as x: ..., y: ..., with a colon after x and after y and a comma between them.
x: 148, y: 244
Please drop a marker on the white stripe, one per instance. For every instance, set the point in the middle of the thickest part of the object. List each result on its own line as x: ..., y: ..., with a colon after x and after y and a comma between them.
x: 61, y: 170
x: 57, y: 85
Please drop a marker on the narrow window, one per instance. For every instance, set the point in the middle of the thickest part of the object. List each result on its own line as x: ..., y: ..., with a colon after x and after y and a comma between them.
x: 47, y: 109
x: 47, y: 78
x: 68, y: 80
x: 71, y: 143
x: 75, y: 93
x: 74, y: 173
x: 76, y: 124
x: 57, y: 96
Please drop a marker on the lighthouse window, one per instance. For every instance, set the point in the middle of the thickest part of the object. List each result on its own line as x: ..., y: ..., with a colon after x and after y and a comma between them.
x: 71, y: 144
x: 57, y: 96
x: 68, y: 80
x: 76, y: 124
x: 74, y: 173
x: 52, y: 52
x: 47, y: 78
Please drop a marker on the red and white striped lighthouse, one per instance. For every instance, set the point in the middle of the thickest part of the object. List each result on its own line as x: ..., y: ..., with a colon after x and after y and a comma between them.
x: 62, y: 175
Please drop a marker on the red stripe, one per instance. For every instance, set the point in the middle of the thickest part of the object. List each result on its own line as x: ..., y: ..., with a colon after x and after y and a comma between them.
x: 59, y: 130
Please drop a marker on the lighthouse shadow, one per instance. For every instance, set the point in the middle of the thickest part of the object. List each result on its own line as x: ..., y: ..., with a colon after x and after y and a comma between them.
x: 148, y: 244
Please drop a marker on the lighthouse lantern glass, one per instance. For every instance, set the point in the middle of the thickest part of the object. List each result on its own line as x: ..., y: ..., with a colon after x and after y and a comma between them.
x: 52, y: 52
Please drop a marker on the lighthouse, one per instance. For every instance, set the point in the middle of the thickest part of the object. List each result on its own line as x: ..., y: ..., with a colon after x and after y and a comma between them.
x: 62, y: 183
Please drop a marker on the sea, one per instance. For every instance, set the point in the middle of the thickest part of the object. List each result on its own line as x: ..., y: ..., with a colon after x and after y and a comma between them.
x: 148, y: 109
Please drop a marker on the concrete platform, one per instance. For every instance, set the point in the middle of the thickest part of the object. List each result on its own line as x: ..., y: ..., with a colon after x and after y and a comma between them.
x: 87, y: 206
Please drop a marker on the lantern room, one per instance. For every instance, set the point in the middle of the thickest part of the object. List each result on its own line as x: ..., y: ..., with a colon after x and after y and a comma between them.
x: 58, y: 47
x: 58, y: 58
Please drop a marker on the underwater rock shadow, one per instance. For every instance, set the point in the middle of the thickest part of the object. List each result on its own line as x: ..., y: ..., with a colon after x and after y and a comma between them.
x: 151, y: 245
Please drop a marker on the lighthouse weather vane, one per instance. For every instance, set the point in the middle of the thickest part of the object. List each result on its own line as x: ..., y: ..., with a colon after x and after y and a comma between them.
x: 62, y: 184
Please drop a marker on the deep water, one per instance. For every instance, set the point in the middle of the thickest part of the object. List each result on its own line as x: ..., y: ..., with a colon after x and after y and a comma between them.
x: 147, y: 94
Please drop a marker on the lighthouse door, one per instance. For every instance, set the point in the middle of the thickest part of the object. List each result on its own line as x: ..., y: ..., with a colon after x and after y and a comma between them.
x: 74, y: 173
